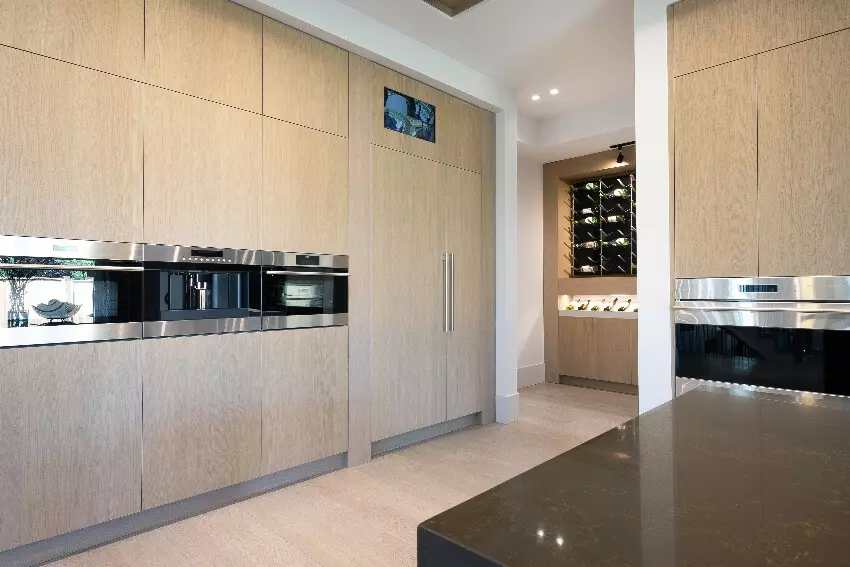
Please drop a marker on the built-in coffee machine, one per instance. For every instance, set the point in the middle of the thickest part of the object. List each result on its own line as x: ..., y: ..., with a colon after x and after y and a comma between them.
x: 196, y: 291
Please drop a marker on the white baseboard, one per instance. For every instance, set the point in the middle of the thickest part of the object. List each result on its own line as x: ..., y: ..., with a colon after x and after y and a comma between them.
x: 531, y: 375
x: 507, y: 408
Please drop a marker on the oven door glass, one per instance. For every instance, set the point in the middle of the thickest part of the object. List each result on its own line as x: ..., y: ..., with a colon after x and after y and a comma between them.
x: 291, y: 293
x: 793, y: 359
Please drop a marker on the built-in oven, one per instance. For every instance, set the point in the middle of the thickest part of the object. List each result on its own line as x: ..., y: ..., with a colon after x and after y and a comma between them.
x: 789, y: 334
x: 304, y: 290
x: 69, y: 291
x: 198, y: 291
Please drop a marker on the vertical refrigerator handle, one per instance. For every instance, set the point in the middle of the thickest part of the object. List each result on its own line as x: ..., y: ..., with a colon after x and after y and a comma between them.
x: 452, y: 293
x: 446, y: 292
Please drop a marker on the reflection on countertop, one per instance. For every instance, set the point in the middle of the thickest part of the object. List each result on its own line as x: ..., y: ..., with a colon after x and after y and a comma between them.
x: 716, y: 477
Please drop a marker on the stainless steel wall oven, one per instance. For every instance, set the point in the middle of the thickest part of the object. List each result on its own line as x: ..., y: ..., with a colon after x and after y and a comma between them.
x: 778, y: 333
x: 304, y: 290
x: 194, y: 291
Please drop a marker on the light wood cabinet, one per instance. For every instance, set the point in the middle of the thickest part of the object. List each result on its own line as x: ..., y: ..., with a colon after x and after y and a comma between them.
x: 203, y: 172
x: 408, y: 341
x: 107, y: 36
x: 305, y: 189
x: 598, y: 348
x: 633, y: 351
x: 613, y: 350
x: 70, y: 449
x: 71, y: 151
x: 202, y: 415
x: 577, y: 347
x: 212, y: 49
x: 804, y: 127
x: 305, y: 396
x: 711, y: 32
x: 464, y: 371
x: 716, y: 213
x: 305, y: 80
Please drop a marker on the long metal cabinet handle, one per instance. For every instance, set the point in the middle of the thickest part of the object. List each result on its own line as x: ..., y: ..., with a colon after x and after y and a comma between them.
x: 452, y: 296
x: 72, y: 267
x: 297, y: 273
x: 446, y: 284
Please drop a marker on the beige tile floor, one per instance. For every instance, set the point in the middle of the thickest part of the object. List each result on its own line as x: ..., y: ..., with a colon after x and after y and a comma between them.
x: 367, y: 516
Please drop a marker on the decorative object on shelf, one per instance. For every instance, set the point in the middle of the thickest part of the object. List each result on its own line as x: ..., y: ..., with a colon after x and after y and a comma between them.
x: 626, y: 306
x: 611, y: 306
x: 55, y: 310
x: 407, y: 115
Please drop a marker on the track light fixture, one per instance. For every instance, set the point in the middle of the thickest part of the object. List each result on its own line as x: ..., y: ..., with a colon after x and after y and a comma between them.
x: 621, y: 159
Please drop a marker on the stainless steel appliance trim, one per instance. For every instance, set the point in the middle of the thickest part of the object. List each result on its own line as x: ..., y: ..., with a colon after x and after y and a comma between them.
x: 72, y: 249
x: 184, y: 255
x: 281, y: 322
x: 73, y: 267
x: 815, y: 317
x: 156, y: 329
x: 808, y: 288
x: 290, y: 259
x: 65, y: 334
x: 763, y: 306
x: 452, y: 295
x: 296, y: 273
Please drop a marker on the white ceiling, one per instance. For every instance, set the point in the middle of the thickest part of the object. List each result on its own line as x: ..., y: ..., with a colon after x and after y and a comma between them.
x: 585, y: 48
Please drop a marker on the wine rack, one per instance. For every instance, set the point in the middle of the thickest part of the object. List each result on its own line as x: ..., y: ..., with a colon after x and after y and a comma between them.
x: 603, y: 227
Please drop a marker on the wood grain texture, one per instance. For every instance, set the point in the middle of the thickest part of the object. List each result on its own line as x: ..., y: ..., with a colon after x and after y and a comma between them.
x: 613, y: 350
x: 716, y: 172
x: 488, y: 263
x: 804, y: 147
x: 464, y: 379
x: 598, y: 286
x: 712, y: 32
x: 202, y: 415
x: 633, y: 332
x: 305, y: 396
x: 203, y: 172
x: 565, y: 230
x: 305, y: 189
x: 577, y: 338
x: 360, y: 260
x: 70, y: 452
x: 107, y: 36
x: 71, y: 151
x: 212, y: 49
x: 305, y: 80
x: 408, y: 342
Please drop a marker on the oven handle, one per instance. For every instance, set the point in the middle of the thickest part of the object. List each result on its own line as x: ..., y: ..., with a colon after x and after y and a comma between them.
x: 73, y: 267
x: 296, y: 273
x: 764, y: 309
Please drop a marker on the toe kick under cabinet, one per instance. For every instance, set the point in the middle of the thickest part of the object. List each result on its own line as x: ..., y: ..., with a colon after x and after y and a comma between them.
x: 598, y: 348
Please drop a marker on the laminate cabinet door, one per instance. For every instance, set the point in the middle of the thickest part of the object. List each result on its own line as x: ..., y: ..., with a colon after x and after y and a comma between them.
x: 613, y: 350
x: 464, y: 374
x: 577, y: 353
x: 212, y: 49
x: 633, y: 331
x: 715, y: 172
x: 305, y: 396
x: 71, y: 442
x: 202, y: 415
x: 408, y: 342
x: 305, y: 79
x: 203, y: 172
x: 107, y: 36
x: 804, y: 128
x: 70, y: 152
x: 305, y: 189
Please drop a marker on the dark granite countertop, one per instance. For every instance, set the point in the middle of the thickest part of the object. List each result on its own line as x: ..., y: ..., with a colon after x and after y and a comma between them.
x: 715, y: 478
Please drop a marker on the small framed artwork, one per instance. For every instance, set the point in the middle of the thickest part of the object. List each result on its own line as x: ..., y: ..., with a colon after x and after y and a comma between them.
x: 410, y: 116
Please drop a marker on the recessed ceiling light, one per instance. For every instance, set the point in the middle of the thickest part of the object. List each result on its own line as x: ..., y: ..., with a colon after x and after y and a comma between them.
x: 535, y: 97
x: 554, y: 91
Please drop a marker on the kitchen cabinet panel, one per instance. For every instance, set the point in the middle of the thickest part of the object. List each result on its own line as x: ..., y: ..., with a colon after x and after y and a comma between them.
x: 305, y: 396
x: 712, y: 32
x: 70, y: 449
x: 305, y: 79
x: 633, y: 332
x: 107, y: 36
x: 71, y: 151
x: 305, y: 189
x: 488, y: 263
x: 203, y: 172
x: 716, y: 216
x: 465, y: 381
x: 202, y: 415
x: 804, y: 128
x: 613, y: 350
x: 212, y: 49
x: 408, y: 342
x: 577, y: 341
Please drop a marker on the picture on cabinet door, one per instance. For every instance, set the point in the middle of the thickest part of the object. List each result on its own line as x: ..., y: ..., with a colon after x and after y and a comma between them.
x: 410, y: 116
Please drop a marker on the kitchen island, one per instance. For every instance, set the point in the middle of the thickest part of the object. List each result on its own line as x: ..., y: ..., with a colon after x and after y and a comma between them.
x: 716, y: 477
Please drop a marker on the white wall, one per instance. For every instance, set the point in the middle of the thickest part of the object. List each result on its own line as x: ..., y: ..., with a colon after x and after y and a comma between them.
x: 530, y: 273
x: 654, y: 227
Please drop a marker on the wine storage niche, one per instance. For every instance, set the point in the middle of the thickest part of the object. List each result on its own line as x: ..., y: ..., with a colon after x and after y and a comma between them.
x: 603, y: 227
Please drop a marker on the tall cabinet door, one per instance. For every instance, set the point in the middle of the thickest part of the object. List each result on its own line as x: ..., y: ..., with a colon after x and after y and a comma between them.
x: 804, y: 128
x: 408, y: 342
x: 464, y: 364
x: 715, y: 172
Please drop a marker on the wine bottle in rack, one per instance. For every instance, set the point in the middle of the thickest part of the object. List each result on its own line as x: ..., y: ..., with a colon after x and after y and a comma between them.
x: 591, y: 186
x: 586, y: 212
x: 618, y: 242
x: 588, y: 220
x: 612, y: 305
x: 588, y: 244
x: 618, y: 192
x: 588, y: 269
x: 615, y: 218
x: 626, y: 306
